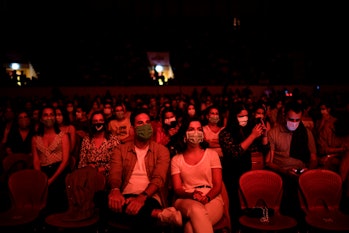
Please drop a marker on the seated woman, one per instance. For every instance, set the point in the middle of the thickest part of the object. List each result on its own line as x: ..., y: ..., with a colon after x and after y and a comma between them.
x: 20, y: 135
x: 197, y: 181
x: 50, y: 149
x: 98, y: 146
x: 213, y: 127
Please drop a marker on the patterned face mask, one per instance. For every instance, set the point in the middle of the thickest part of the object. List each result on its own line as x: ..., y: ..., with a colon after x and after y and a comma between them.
x: 195, y: 137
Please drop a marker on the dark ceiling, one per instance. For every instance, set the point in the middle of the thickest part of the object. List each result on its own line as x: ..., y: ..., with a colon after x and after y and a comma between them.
x: 46, y: 31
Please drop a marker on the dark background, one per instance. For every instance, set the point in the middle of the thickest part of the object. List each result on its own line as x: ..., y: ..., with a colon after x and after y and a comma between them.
x: 104, y: 42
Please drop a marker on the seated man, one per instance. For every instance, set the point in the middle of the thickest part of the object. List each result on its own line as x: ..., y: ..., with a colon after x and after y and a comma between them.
x: 292, y: 151
x: 292, y: 145
x: 138, y: 175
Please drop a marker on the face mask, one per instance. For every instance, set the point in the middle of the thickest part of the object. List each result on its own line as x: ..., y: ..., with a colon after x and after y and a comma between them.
x: 98, y: 127
x: 292, y: 126
x: 191, y: 112
x: 243, y: 120
x: 144, y: 132
x: 195, y: 137
x: 169, y: 120
x: 48, y: 122
x: 213, y: 119
x: 120, y: 115
x: 107, y: 111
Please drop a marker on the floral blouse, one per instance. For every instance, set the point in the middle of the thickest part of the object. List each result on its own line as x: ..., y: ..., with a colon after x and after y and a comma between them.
x: 98, y: 156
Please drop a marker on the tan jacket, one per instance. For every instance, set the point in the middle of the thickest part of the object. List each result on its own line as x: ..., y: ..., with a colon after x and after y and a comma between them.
x: 157, y: 162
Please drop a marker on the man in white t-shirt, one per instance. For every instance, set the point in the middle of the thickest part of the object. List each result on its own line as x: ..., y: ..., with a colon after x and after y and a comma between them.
x: 138, y: 179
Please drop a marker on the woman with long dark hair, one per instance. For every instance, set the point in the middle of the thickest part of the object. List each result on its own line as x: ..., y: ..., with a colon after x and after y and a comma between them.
x: 237, y: 140
x: 50, y: 149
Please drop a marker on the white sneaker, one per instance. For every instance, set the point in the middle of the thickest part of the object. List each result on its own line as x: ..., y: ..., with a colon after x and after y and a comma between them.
x: 171, y: 216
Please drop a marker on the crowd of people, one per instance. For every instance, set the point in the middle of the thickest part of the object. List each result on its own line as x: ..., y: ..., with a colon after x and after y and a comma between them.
x: 166, y: 157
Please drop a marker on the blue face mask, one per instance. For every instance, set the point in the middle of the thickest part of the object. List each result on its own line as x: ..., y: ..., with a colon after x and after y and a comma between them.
x: 292, y: 126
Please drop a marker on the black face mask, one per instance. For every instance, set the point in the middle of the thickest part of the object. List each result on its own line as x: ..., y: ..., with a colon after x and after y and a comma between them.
x: 98, y: 127
x: 173, y: 124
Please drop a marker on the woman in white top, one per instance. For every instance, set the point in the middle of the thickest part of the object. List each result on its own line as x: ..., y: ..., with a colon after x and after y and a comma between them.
x: 197, y: 181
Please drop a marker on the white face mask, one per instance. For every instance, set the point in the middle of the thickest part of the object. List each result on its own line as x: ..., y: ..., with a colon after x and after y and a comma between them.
x: 292, y: 126
x: 169, y: 120
x: 243, y: 120
x: 195, y: 137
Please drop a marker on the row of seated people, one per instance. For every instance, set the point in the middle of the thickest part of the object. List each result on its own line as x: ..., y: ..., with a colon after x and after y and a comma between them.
x: 238, y: 138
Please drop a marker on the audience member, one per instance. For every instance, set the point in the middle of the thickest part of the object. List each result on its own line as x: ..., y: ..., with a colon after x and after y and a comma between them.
x: 35, y: 118
x: 121, y: 125
x: 20, y: 136
x: 108, y: 111
x: 259, y: 114
x: 81, y: 122
x: 62, y: 119
x: 212, y: 128
x: 237, y: 140
x: 275, y: 112
x: 192, y: 111
x: 50, y: 149
x: 308, y: 116
x: 329, y: 146
x: 98, y: 146
x: 292, y: 145
x: 138, y: 179
x: 167, y: 135
x: 197, y: 181
x: 6, y: 124
x: 94, y: 107
x: 292, y: 151
x: 70, y: 107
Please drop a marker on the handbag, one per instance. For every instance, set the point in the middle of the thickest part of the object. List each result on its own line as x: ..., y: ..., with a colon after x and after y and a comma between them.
x: 260, y: 210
